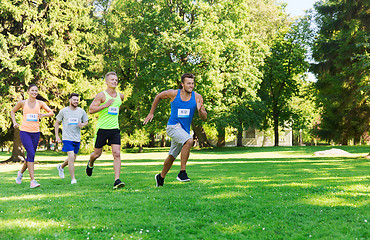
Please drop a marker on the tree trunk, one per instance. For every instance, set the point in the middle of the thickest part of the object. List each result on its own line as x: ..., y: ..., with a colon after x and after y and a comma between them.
x: 152, y: 140
x: 294, y: 141
x: 163, y: 141
x: 357, y: 141
x: 140, y: 149
x: 276, y: 129
x: 56, y: 146
x: 201, y: 135
x: 240, y: 138
x: 300, y: 138
x: 221, y: 137
x: 18, y: 152
x: 344, y: 140
x: 48, y: 143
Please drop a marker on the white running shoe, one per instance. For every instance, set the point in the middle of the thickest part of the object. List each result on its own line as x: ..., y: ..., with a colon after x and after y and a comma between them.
x: 60, y: 171
x: 34, y: 184
x: 19, y: 177
x: 74, y: 181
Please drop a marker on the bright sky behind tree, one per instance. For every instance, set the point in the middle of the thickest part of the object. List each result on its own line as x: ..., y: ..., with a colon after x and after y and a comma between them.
x: 297, y: 7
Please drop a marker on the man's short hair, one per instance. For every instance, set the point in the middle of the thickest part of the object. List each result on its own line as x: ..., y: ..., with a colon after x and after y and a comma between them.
x: 109, y: 74
x: 187, y: 75
x: 73, y: 95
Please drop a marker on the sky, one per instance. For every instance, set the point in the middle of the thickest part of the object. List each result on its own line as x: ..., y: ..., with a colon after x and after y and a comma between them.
x: 296, y: 7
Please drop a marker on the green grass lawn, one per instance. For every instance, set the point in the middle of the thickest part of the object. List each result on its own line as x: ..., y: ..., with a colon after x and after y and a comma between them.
x: 234, y: 193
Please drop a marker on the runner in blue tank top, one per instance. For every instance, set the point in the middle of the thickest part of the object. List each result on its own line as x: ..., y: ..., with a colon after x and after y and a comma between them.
x: 183, y: 104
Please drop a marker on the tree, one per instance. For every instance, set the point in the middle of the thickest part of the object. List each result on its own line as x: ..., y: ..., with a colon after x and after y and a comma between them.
x: 245, y: 115
x: 281, y: 70
x: 232, y: 57
x: 138, y: 138
x: 47, y: 43
x: 304, y: 111
x: 223, y: 42
x: 342, y: 68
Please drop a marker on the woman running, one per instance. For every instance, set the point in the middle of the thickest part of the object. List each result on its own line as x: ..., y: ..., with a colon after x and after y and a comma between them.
x: 30, y: 129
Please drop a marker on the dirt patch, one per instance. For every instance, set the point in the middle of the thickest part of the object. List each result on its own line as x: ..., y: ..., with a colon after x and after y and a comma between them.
x: 332, y: 152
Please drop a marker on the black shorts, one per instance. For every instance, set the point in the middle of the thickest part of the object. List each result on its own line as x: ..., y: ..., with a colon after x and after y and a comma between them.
x: 107, y: 136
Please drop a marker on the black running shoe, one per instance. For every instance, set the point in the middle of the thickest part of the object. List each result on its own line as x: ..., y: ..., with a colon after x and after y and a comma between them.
x: 118, y: 184
x: 89, y: 169
x: 159, y: 180
x: 183, y: 177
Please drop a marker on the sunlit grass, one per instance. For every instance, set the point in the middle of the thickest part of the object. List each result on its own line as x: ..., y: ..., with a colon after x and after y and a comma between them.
x: 28, y: 224
x: 225, y: 195
x: 338, y: 199
x: 284, y: 193
x: 33, y: 197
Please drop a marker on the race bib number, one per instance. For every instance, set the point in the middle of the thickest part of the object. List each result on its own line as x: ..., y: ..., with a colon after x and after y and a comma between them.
x: 72, y: 121
x: 32, y: 117
x: 113, y: 110
x: 183, y: 113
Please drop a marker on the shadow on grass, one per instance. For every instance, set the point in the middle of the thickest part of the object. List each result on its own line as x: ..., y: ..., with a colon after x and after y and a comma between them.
x: 257, y: 199
x: 50, y: 153
x: 146, y: 150
x: 307, y: 150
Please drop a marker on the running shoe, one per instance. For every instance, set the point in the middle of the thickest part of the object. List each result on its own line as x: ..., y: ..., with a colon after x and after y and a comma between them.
x: 60, y: 171
x: 118, y: 184
x: 19, y: 177
x: 34, y: 184
x: 89, y: 169
x: 159, y: 180
x: 73, y: 181
x: 183, y: 177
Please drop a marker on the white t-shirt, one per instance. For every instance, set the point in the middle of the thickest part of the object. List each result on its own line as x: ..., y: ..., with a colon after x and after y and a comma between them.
x: 70, y: 118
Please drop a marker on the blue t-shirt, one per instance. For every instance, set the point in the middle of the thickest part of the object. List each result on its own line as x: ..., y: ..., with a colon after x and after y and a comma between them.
x: 182, y: 111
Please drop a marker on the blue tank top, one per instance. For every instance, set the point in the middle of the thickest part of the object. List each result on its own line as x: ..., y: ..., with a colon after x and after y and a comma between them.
x: 182, y: 111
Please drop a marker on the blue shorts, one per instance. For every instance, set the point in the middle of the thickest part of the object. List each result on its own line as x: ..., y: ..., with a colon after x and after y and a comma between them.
x: 71, y: 146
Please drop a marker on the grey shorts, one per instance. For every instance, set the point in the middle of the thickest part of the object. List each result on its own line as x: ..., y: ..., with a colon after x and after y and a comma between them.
x: 179, y: 137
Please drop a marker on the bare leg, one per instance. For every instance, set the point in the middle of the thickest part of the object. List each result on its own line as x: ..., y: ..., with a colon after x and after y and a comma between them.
x: 31, y: 170
x: 95, y: 155
x: 71, y: 164
x: 116, y: 151
x: 185, y: 152
x: 167, y: 165
x: 24, y: 167
x: 64, y: 164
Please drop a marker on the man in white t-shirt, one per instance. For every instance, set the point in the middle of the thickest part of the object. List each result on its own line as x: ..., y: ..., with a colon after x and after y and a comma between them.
x: 73, y: 118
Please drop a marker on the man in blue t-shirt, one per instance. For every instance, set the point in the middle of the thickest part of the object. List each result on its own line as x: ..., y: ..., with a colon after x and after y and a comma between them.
x: 183, y: 104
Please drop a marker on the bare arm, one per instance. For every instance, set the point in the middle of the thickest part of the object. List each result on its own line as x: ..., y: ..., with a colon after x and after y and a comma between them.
x: 47, y: 109
x: 84, y: 120
x: 14, y: 110
x: 81, y: 125
x: 163, y: 95
x: 99, y: 99
x: 56, y: 126
x: 122, y: 98
x: 201, y: 110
